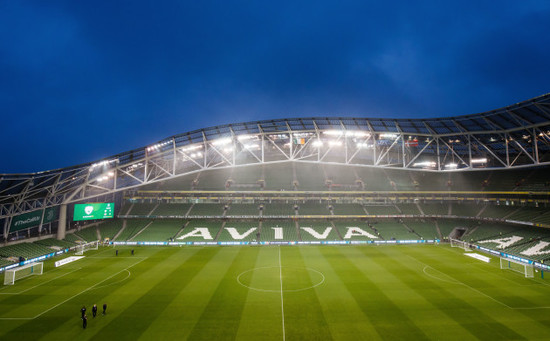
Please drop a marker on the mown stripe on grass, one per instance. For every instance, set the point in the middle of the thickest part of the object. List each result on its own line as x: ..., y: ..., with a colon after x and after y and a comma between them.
x: 180, y: 317
x: 136, y: 318
x: 55, y: 321
x: 510, y: 293
x: 304, y: 316
x: 386, y: 317
x: 466, y: 273
x: 261, y: 316
x: 345, y: 318
x: 35, y: 301
x: 221, y: 317
x: 443, y: 298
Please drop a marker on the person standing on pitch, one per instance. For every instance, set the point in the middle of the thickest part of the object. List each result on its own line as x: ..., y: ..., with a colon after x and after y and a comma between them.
x: 82, y: 312
x: 94, y: 310
x: 84, y: 321
x: 104, y: 308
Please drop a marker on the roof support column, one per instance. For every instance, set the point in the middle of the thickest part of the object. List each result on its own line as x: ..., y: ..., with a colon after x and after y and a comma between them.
x: 62, y: 223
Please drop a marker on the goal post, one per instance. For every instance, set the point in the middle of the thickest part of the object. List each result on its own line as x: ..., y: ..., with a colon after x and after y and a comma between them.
x: 461, y: 244
x: 12, y: 275
x: 81, y: 248
x: 514, y: 265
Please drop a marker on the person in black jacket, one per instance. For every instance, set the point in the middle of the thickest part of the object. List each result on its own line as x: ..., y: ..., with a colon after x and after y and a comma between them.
x: 104, y: 308
x: 94, y: 310
x: 84, y: 321
x: 82, y: 311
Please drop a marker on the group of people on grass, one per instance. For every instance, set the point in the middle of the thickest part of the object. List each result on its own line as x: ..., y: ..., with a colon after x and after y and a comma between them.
x: 94, y: 313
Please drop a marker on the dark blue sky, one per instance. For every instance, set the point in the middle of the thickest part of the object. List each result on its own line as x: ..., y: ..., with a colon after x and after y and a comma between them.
x: 83, y: 80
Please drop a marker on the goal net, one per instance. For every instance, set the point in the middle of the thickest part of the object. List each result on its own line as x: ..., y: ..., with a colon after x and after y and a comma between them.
x: 80, y: 249
x: 523, y: 268
x: 12, y: 275
x: 461, y: 244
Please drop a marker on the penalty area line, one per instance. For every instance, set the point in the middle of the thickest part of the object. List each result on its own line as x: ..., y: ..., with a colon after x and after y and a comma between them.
x: 53, y: 279
x: 90, y: 288
x: 70, y: 298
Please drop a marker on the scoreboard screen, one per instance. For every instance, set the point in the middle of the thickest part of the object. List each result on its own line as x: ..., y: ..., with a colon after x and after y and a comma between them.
x: 93, y: 211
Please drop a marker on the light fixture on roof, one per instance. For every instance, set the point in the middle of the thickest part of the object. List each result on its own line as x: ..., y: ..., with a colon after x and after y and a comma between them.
x: 246, y: 137
x: 222, y: 142
x: 451, y: 165
x: 103, y: 163
x: 158, y: 146
x: 333, y: 132
x: 364, y: 145
x: 388, y: 136
x: 425, y: 164
x: 317, y: 143
x: 190, y: 148
x: 480, y: 160
x: 335, y: 143
x: 252, y: 146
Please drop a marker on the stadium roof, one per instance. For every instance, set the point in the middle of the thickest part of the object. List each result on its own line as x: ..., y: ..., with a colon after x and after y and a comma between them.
x: 515, y: 136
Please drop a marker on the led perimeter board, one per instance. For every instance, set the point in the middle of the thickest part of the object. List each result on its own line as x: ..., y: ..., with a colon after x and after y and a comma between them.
x: 93, y: 211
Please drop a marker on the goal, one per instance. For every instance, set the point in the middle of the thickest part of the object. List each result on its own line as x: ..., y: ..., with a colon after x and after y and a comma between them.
x: 514, y: 265
x: 80, y: 249
x: 12, y: 275
x: 461, y: 244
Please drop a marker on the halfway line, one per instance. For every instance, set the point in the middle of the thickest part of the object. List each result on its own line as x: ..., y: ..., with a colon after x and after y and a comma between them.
x: 282, y: 301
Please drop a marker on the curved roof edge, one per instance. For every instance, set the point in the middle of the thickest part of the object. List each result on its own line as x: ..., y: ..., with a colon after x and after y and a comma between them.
x: 533, y: 112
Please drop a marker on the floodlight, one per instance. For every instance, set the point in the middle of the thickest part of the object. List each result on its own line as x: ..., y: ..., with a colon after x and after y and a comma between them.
x: 246, y: 137
x: 425, y: 164
x: 252, y: 146
x: 451, y: 166
x: 482, y: 160
x: 333, y: 132
x: 222, y: 142
x: 317, y: 143
x: 388, y: 136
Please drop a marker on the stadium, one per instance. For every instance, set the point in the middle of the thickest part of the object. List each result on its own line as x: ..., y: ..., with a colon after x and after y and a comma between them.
x: 308, y: 228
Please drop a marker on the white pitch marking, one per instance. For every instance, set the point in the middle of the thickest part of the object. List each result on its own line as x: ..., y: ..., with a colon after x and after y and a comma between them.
x: 282, y: 301
x: 70, y: 298
x: 20, y: 292
x: 474, y: 289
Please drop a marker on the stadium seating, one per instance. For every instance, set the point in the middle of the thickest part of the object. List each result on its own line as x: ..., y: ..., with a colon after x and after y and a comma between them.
x: 88, y: 234
x: 268, y: 230
x: 381, y: 209
x: 200, y: 231
x: 172, y: 209
x: 243, y: 209
x: 312, y: 208
x: 143, y: 209
x: 348, y: 209
x: 316, y: 230
x: 73, y: 238
x: 109, y: 229
x: 133, y: 226
x: 355, y: 230
x: 160, y: 230
x: 207, y: 210
x: 54, y: 243
x: 278, y: 209
x: 25, y: 250
x: 424, y: 228
x: 243, y: 231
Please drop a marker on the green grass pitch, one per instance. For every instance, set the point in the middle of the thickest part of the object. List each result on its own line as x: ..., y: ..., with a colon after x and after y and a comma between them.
x: 417, y: 292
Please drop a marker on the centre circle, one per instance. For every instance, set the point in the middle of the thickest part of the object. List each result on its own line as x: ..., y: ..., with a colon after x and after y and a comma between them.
x: 271, y: 278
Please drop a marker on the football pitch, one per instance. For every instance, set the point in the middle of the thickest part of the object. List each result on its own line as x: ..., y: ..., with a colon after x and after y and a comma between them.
x: 415, y: 292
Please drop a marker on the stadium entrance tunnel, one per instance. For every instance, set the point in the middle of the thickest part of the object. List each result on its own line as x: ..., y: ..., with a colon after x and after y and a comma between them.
x: 277, y: 279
